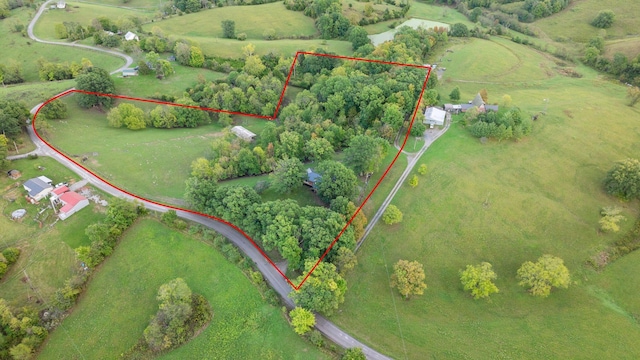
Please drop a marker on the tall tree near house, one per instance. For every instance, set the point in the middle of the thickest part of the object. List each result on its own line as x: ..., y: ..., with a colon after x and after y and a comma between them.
x: 455, y: 94
x: 337, y: 180
x: 365, y: 153
x: 408, y: 277
x: 288, y: 174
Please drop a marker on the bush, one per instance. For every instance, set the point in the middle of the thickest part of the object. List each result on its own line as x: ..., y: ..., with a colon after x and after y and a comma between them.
x: 392, y: 215
x: 229, y: 29
x: 624, y: 179
x: 316, y: 338
x: 459, y: 30
x: 242, y: 37
x: 11, y: 254
x: 604, y: 19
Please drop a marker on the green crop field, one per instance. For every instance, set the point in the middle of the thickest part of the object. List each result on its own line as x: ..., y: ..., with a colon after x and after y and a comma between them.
x: 176, y: 84
x: 82, y: 13
x: 507, y: 203
x: 152, y: 163
x: 251, y: 20
x: 47, y: 256
x: 574, y: 22
x: 120, y: 299
x: 26, y: 51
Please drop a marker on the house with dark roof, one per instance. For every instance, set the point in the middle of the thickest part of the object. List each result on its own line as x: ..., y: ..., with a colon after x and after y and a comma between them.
x: 313, y: 178
x: 38, y: 188
x: 477, y: 102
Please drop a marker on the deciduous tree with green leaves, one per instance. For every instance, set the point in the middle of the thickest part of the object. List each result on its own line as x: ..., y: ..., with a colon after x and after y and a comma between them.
x: 353, y: 354
x: 95, y: 80
x: 287, y: 175
x: 392, y: 215
x: 302, y: 320
x: 540, y: 277
x: 127, y: 115
x: 455, y: 94
x: 324, y: 289
x: 422, y: 170
x: 365, y: 153
x: 624, y: 179
x: 413, y: 182
x: 478, y: 279
x: 337, y: 180
x: 408, y: 277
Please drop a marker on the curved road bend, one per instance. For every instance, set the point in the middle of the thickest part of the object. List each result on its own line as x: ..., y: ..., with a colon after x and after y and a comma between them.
x: 127, y: 58
x: 273, y: 277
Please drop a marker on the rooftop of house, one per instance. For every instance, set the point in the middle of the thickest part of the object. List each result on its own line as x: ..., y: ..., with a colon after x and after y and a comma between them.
x: 36, y: 185
x: 70, y: 199
x: 312, y: 175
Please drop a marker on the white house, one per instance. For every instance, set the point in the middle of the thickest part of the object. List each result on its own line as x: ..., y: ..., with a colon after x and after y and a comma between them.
x: 39, y: 187
x: 243, y: 133
x: 130, y: 36
x: 61, y: 4
x: 434, y: 116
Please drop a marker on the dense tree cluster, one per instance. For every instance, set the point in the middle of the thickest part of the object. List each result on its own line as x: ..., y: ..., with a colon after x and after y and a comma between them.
x: 20, y: 331
x: 511, y: 124
x: 627, y: 70
x: 13, y: 116
x: 11, y: 72
x: 49, y: 71
x: 54, y: 110
x: 4, y: 149
x: 604, y: 19
x: 324, y: 289
x: 180, y: 314
x: 528, y: 11
x: 298, y: 233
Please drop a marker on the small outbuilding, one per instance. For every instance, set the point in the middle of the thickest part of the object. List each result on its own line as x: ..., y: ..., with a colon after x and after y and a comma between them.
x: 243, y: 133
x: 18, y: 214
x: 434, y: 116
x: 129, y: 72
x: 14, y: 174
x: 61, y: 4
x: 131, y: 36
x: 38, y: 188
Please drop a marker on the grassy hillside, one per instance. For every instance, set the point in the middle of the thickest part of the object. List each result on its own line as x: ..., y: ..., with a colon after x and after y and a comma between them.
x: 252, y: 20
x: 574, y: 22
x: 422, y: 10
x: 121, y: 297
x: 158, y: 161
x: 27, y: 52
x: 505, y: 203
x: 82, y: 13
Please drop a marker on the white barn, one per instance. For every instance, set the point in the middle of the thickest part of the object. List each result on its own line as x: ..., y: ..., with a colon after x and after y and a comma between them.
x: 434, y: 116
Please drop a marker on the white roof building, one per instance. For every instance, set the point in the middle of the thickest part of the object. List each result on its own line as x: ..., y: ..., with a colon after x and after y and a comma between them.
x: 243, y: 133
x: 434, y: 116
x: 61, y: 4
x: 130, y: 36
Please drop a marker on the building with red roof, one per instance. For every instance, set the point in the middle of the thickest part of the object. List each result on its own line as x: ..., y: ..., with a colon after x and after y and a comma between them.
x: 70, y: 201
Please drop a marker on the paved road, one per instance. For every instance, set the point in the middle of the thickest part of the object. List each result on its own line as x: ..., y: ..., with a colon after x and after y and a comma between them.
x: 127, y: 58
x: 270, y: 273
x: 429, y: 139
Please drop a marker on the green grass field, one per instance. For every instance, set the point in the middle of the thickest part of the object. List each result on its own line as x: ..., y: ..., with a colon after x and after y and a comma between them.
x: 47, y: 256
x: 82, y: 13
x: 424, y: 11
x: 147, y: 86
x: 120, y: 299
x: 574, y: 22
x: 251, y: 20
x: 26, y: 51
x: 152, y: 163
x: 506, y: 203
x: 140, y: 5
x: 630, y: 47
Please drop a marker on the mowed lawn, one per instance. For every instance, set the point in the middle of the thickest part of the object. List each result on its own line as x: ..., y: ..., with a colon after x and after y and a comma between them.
x: 421, y: 10
x: 151, y: 163
x: 575, y: 21
x: 507, y: 203
x: 82, y: 13
x: 120, y: 299
x: 176, y: 84
x: 47, y: 257
x: 252, y: 20
x: 27, y: 52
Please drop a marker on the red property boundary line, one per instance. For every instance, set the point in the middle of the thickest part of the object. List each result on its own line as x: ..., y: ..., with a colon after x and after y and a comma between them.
x: 296, y: 287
